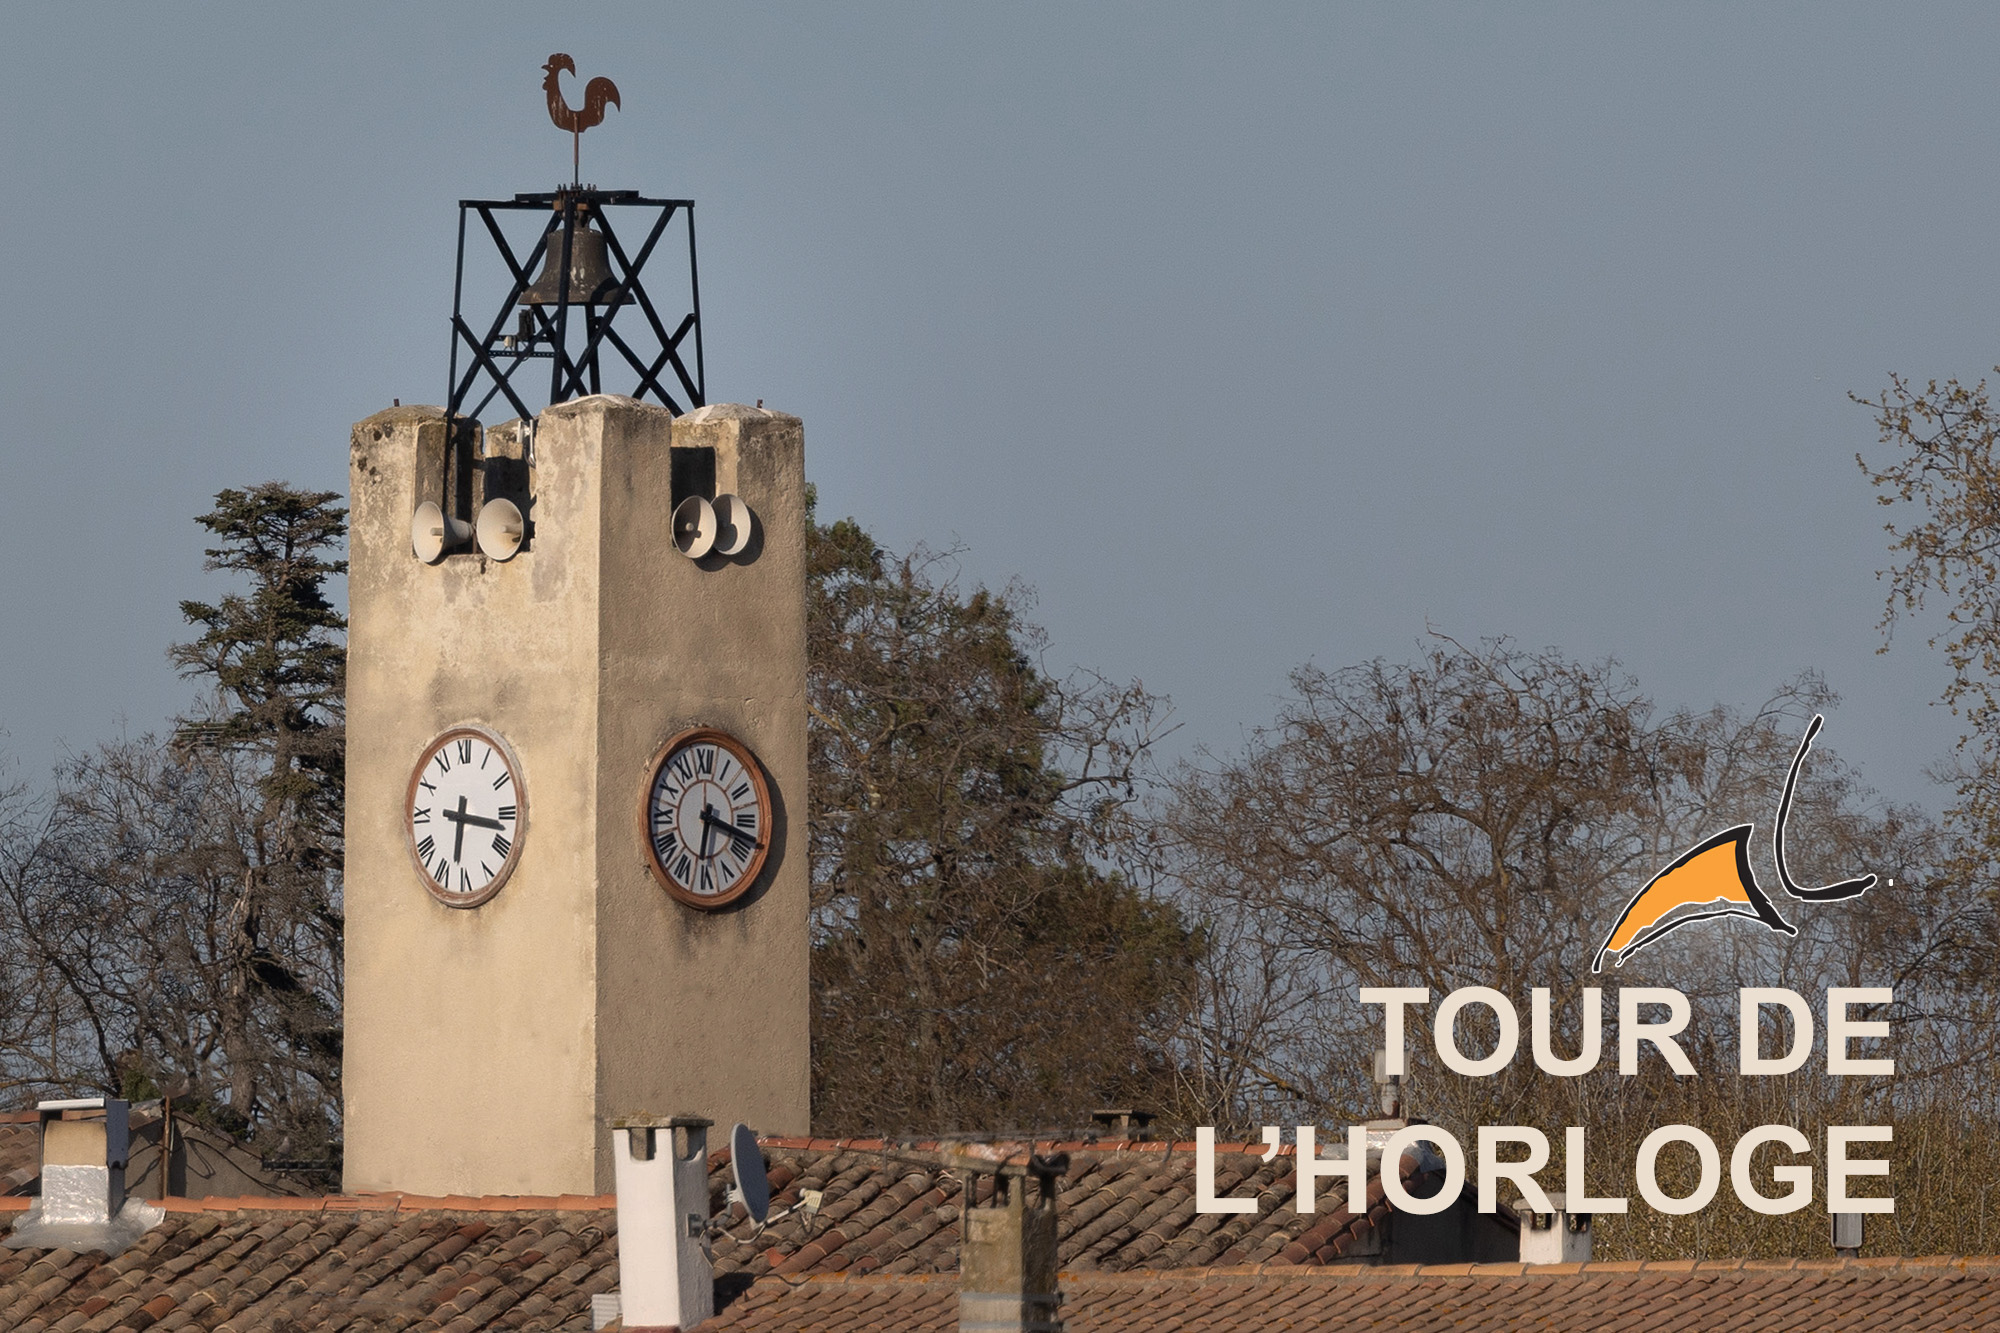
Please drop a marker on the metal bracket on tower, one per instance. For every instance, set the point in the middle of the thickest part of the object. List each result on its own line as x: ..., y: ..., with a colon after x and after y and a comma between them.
x: 586, y: 268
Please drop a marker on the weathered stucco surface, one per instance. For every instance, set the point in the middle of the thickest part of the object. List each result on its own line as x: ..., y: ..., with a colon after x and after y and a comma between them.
x: 486, y: 1048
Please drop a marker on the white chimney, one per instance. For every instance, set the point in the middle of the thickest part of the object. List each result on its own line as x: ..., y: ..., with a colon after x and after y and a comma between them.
x: 665, y: 1278
x: 85, y: 1144
x: 1559, y: 1237
x: 83, y: 1160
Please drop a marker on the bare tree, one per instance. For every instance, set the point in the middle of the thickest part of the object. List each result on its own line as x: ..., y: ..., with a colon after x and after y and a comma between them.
x: 1477, y: 818
x: 179, y: 903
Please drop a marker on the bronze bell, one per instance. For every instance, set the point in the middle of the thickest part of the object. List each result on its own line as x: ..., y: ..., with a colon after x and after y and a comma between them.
x: 589, y: 270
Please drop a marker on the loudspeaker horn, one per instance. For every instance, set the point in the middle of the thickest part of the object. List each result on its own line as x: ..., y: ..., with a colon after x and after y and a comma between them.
x: 500, y: 529
x: 432, y: 533
x: 694, y: 527
x: 733, y: 520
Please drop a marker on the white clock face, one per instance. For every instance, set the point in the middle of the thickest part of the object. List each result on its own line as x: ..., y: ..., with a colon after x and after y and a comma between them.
x: 706, y: 818
x: 465, y: 815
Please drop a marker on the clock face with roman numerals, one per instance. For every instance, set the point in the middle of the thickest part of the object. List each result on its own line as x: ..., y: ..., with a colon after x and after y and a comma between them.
x: 466, y: 813
x: 706, y: 817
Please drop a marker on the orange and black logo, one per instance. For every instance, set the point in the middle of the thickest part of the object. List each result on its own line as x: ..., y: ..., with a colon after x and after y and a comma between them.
x: 1715, y: 880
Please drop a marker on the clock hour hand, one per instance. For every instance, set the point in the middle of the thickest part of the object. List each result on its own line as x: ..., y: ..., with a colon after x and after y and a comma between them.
x: 708, y: 816
x: 461, y: 818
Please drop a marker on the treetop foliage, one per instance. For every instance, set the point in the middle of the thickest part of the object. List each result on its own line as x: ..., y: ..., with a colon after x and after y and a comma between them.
x: 976, y: 964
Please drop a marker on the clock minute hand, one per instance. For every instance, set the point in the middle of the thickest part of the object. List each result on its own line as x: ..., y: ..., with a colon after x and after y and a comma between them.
x: 708, y: 817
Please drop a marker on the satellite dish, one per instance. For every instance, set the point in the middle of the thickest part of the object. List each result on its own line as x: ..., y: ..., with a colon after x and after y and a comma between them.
x: 733, y: 522
x: 694, y: 527
x: 500, y: 529
x: 432, y: 533
x: 746, y: 1162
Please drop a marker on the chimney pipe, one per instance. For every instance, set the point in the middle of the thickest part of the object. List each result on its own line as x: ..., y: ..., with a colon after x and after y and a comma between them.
x: 1125, y: 1122
x: 83, y: 1160
x: 85, y: 1144
x: 666, y: 1280
x: 1559, y: 1237
x: 1007, y: 1254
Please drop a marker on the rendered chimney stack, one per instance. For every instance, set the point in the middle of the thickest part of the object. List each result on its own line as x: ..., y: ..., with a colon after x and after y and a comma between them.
x: 1126, y: 1123
x: 666, y: 1279
x: 1559, y: 1237
x: 1007, y: 1258
x: 83, y: 1160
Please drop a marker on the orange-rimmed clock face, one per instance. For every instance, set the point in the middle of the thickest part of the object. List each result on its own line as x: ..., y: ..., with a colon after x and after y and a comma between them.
x: 705, y: 815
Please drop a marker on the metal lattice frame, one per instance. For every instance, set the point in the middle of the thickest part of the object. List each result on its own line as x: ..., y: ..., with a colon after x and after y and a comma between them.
x: 496, y: 357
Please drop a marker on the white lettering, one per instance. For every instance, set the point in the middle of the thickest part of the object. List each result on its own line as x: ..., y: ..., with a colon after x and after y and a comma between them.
x: 1839, y: 1170
x: 1660, y: 1035
x: 1593, y: 1034
x: 1204, y: 1178
x: 1649, y: 1185
x: 1799, y: 1177
x: 1522, y: 1173
x: 1840, y: 1030
x: 1353, y: 1167
x: 1753, y: 1059
x: 1446, y: 1025
x: 1392, y: 1169
x: 1576, y: 1200
x: 1393, y: 998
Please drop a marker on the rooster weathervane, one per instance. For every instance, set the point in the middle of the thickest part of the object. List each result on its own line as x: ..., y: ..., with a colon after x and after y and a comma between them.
x: 596, y: 94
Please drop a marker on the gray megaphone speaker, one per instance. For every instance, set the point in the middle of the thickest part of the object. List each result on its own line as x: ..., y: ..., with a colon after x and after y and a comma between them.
x: 732, y: 524
x: 500, y: 529
x: 694, y: 527
x: 432, y: 533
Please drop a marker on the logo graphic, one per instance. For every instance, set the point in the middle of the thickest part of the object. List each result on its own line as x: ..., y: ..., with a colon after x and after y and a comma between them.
x: 1715, y: 880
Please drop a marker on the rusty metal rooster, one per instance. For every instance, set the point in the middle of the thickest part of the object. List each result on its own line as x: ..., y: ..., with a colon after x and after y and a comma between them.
x: 599, y: 92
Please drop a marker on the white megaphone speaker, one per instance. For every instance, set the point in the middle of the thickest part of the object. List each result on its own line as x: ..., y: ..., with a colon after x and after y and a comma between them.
x: 732, y: 520
x: 432, y: 533
x: 694, y: 527
x: 500, y: 529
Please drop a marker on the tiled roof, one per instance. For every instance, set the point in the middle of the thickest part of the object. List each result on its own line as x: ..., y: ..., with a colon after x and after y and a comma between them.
x: 1123, y: 1206
x: 1878, y: 1295
x: 336, y: 1266
x: 380, y: 1264
x: 881, y: 1254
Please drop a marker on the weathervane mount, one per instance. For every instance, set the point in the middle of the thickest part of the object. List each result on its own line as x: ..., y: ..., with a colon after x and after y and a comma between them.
x: 597, y: 94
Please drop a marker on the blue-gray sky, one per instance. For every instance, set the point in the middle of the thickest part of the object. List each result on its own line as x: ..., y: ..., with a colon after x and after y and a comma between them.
x: 1247, y: 335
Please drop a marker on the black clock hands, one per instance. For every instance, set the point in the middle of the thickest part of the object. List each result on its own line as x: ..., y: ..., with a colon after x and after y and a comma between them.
x: 708, y: 816
x: 461, y: 818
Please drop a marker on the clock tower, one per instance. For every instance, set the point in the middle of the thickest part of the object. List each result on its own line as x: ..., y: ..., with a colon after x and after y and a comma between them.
x: 576, y: 881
